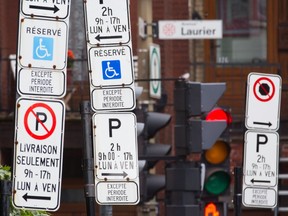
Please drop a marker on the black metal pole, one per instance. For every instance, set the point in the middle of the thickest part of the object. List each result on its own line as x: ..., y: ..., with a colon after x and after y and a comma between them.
x: 88, y: 163
x: 237, y: 190
x: 106, y: 210
x: 5, y: 193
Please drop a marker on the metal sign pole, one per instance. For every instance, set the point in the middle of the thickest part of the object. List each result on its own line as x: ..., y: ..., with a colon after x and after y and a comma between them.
x: 89, y: 187
x: 106, y: 210
x: 5, y: 193
x: 237, y: 190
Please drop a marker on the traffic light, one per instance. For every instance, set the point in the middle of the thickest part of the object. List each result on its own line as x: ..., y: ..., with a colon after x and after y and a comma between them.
x: 192, y: 100
x: 216, y: 159
x: 199, y: 128
x: 151, y: 153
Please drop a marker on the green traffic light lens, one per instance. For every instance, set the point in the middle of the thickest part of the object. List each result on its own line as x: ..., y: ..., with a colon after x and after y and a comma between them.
x: 217, y: 183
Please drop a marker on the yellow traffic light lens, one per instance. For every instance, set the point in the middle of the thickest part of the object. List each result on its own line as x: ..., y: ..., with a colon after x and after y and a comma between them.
x: 218, y: 153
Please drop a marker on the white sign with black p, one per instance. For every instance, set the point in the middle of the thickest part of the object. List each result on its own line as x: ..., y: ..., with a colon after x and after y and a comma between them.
x: 115, y: 146
x: 260, y: 171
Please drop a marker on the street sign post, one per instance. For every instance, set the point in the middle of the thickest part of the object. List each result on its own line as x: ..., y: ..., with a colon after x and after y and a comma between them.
x: 42, y: 44
x: 261, y: 158
x: 260, y: 171
x: 37, y: 171
x: 107, y: 22
x: 39, y: 82
x: 111, y: 66
x: 190, y: 29
x: 261, y: 148
x: 109, y: 49
x: 263, y: 101
x: 115, y: 148
x: 109, y: 99
x: 46, y: 9
x: 117, y: 193
x: 116, y: 156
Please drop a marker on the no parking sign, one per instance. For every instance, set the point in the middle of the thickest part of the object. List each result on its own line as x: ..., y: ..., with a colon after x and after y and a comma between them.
x: 39, y: 132
x: 263, y: 101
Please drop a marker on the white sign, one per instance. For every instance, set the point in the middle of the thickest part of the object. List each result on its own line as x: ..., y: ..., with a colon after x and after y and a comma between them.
x: 117, y: 193
x: 49, y: 9
x: 263, y: 101
x: 38, y: 150
x: 42, y: 44
x: 39, y: 82
x: 190, y: 29
x: 107, y: 22
x: 115, y: 146
x: 260, y: 171
x: 155, y: 71
x: 116, y: 158
x: 111, y: 66
x: 259, y: 197
x: 261, y: 158
x: 111, y: 99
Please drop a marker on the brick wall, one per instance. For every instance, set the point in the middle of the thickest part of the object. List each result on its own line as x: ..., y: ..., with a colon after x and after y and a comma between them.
x: 8, y: 42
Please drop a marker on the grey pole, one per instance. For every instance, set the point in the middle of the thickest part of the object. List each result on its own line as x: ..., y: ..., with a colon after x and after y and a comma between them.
x: 237, y: 190
x: 88, y: 164
x: 5, y: 193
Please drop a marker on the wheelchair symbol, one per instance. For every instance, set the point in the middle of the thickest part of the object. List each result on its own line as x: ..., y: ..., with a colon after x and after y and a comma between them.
x: 111, y: 69
x: 43, y: 48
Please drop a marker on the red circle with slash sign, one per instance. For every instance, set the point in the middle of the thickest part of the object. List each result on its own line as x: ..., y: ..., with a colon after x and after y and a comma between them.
x: 48, y: 130
x: 259, y: 86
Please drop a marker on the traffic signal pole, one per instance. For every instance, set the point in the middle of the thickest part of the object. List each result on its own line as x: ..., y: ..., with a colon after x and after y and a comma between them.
x: 237, y: 190
x: 89, y: 189
x: 5, y: 194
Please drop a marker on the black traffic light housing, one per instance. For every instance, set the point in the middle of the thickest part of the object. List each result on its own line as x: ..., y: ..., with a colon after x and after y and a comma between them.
x: 183, y: 187
x: 191, y: 100
x: 151, y: 153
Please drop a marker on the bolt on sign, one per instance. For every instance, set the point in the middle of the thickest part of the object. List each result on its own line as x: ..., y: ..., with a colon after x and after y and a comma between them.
x: 42, y: 48
x: 261, y: 147
x: 39, y: 117
x: 39, y: 133
x: 116, y: 158
x: 109, y: 48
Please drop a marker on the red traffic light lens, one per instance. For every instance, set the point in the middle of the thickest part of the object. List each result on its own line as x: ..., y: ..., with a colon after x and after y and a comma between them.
x: 219, y: 114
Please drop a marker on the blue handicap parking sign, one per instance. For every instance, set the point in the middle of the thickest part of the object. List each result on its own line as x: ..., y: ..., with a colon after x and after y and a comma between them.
x: 43, y: 48
x: 111, y: 69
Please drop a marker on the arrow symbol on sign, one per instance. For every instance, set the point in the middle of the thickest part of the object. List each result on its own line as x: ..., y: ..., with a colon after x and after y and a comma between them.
x: 26, y: 197
x: 55, y: 8
x: 124, y: 174
x: 259, y: 181
x: 269, y: 124
x: 98, y: 37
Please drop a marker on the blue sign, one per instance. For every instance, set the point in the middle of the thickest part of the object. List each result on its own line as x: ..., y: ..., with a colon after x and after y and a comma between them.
x: 111, y: 69
x: 43, y: 48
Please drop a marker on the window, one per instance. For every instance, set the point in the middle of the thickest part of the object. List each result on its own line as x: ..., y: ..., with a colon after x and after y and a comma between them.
x: 244, y: 31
